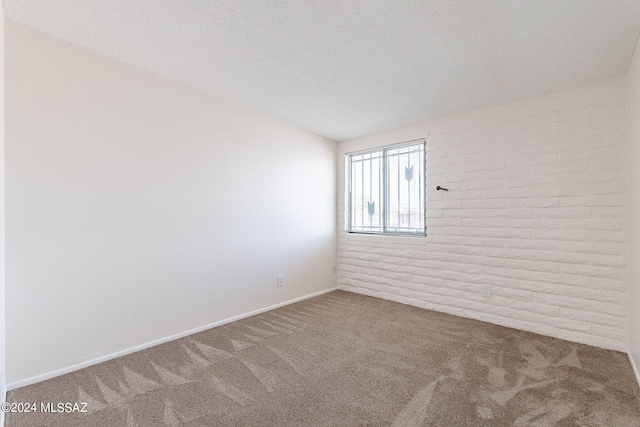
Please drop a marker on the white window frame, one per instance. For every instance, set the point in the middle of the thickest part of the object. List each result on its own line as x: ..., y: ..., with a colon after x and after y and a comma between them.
x: 385, y: 228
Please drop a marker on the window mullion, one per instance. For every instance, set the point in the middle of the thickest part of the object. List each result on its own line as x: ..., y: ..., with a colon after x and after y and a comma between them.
x: 350, y: 194
x: 423, y: 177
x: 385, y: 190
x: 398, y: 155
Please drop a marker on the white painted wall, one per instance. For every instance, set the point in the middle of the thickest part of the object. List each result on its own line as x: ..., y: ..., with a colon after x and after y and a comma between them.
x: 633, y: 221
x: 3, y: 382
x: 536, y: 209
x: 137, y: 208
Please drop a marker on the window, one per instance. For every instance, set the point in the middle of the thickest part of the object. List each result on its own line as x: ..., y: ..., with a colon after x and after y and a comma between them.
x: 386, y: 189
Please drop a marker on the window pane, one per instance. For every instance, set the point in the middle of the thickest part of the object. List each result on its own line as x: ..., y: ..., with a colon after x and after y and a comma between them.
x: 366, y: 192
x: 406, y: 189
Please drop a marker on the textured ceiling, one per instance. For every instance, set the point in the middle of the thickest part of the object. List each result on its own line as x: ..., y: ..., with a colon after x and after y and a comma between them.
x: 342, y: 68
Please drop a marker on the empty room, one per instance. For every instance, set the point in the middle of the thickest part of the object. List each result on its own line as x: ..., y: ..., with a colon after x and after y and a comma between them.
x: 320, y: 213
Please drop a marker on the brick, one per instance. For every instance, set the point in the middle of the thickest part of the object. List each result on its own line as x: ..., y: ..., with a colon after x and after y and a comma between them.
x: 399, y: 262
x: 540, y: 202
x: 593, y: 201
x: 482, y: 184
x: 608, y: 119
x: 484, y: 165
x: 533, y: 307
x: 462, y: 249
x: 533, y: 244
x: 607, y: 236
x: 525, y: 275
x: 571, y: 190
x: 517, y: 152
x: 607, y: 211
x: 606, y: 284
x: 443, y: 222
x: 551, y: 147
x: 595, y: 176
x: 493, y: 130
x: 579, y: 304
x: 563, y: 323
x: 532, y: 265
x: 506, y: 253
x: 595, y: 318
x: 564, y: 168
x: 608, y: 164
x: 431, y: 272
x: 395, y: 276
x: 507, y: 233
x: 542, y: 118
x: 509, y: 312
x: 570, y: 235
x: 343, y: 262
x: 561, y: 257
x: 564, y: 125
x: 593, y: 271
x: 531, y: 181
x: 598, y: 295
x: 532, y: 223
x: 610, y: 333
x: 608, y: 223
x: 484, y: 279
x: 610, y: 137
x: 565, y: 212
x: 511, y: 294
x: 609, y: 187
x: 616, y: 261
x: 533, y: 160
x: 589, y: 110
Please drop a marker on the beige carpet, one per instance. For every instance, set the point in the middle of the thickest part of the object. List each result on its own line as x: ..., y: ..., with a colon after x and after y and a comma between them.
x: 348, y: 360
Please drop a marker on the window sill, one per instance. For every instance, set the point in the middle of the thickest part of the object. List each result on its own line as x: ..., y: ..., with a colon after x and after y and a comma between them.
x: 388, y: 233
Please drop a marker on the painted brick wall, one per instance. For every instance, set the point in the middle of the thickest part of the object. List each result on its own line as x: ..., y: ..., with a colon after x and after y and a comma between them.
x: 536, y: 209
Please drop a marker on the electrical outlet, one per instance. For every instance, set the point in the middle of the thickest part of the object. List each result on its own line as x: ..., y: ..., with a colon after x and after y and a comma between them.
x: 280, y: 280
x: 486, y: 291
x: 335, y: 269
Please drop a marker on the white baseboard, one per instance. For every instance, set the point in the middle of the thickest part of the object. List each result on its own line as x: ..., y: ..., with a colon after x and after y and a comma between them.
x: 58, y: 372
x: 634, y: 367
